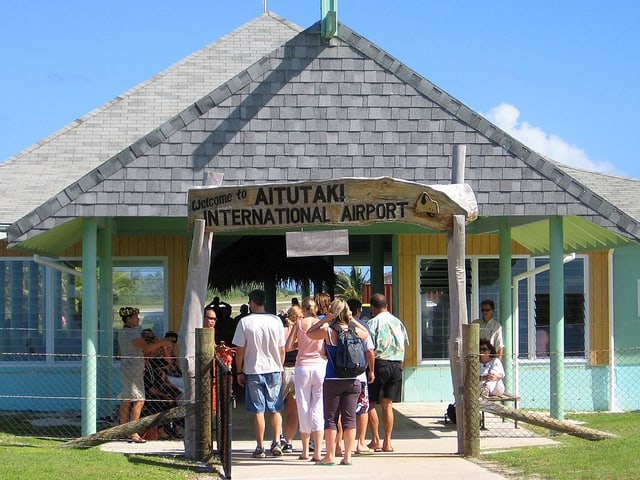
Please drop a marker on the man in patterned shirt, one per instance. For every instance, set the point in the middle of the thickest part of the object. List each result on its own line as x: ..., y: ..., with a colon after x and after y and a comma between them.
x: 390, y: 338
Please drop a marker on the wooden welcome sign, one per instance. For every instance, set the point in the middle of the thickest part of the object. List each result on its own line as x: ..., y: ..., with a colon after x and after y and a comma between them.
x: 344, y: 202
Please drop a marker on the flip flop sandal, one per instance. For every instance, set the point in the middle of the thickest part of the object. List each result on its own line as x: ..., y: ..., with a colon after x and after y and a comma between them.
x: 365, y: 452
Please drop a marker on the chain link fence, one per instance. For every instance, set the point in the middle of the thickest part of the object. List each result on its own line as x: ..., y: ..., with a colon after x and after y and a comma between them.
x: 598, y: 382
x: 42, y: 395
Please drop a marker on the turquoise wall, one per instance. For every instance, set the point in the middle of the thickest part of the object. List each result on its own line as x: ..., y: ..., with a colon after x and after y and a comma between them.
x: 586, y: 386
x: 626, y: 265
x: 46, y: 388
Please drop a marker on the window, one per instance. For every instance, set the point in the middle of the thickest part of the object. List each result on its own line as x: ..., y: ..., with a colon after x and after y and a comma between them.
x: 22, y: 333
x: 575, y: 315
x: 532, y: 333
x: 142, y: 286
x: 435, y: 313
x: 41, y: 307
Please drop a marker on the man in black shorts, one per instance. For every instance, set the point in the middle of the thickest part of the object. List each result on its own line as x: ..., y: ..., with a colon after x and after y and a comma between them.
x: 390, y: 338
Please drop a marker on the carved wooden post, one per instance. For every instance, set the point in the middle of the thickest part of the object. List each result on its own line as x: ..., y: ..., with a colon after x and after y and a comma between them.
x: 471, y: 403
x: 205, y: 351
x: 192, y: 312
x: 456, y: 242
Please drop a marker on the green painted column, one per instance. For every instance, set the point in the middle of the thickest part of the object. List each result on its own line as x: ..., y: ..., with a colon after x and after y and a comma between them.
x: 377, y: 265
x: 506, y: 316
x: 270, y: 288
x: 89, y: 325
x: 105, y: 319
x: 331, y: 286
x: 305, y: 290
x: 329, y: 19
x: 556, y: 317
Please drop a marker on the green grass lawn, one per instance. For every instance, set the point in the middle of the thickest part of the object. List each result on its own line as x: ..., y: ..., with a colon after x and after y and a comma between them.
x: 578, y: 459
x: 38, y: 459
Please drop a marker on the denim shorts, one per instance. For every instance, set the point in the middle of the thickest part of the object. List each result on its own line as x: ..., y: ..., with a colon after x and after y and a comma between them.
x: 263, y: 391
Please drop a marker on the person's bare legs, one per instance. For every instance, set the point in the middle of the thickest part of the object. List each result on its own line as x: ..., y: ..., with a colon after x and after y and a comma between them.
x: 304, y: 439
x: 387, y: 423
x: 276, y: 426
x: 130, y: 411
x: 258, y: 428
x: 317, y: 441
x: 136, y: 409
x: 123, y: 413
x: 374, y: 423
x: 349, y: 435
x: 330, y: 440
x: 339, y: 438
x: 292, y: 419
x: 362, y: 421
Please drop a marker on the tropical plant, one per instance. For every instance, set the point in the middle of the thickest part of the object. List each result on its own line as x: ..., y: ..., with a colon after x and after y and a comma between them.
x: 349, y: 285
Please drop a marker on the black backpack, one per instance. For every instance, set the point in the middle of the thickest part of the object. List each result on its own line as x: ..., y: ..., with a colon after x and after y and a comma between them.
x: 351, y: 360
x: 451, y: 413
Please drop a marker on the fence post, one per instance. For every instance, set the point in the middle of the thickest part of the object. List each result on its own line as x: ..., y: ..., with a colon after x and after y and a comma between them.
x: 204, y: 371
x: 471, y: 418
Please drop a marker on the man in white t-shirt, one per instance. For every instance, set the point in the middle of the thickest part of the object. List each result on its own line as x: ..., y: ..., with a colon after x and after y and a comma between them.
x: 260, y: 340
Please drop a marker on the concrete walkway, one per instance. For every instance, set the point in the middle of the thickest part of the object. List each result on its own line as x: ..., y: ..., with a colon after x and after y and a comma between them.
x: 423, y: 445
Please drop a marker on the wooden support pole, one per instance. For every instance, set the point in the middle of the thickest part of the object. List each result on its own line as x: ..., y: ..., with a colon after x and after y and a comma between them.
x: 456, y: 246
x: 458, y: 307
x: 203, y: 418
x: 120, y: 432
x: 471, y: 419
x: 541, y: 420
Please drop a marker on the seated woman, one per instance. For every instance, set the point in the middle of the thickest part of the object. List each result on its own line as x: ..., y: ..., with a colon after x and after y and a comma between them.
x: 161, y: 394
x: 491, y: 370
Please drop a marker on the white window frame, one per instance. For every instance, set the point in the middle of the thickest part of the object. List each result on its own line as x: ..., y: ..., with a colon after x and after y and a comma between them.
x: 474, y: 310
x: 49, y: 291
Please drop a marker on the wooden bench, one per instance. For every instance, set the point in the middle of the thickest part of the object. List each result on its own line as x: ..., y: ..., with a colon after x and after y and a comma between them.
x: 503, y: 398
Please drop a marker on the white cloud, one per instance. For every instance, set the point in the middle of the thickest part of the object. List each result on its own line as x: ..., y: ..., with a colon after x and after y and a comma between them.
x: 507, y: 117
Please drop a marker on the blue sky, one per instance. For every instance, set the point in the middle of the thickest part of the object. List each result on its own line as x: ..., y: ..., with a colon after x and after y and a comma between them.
x: 562, y: 76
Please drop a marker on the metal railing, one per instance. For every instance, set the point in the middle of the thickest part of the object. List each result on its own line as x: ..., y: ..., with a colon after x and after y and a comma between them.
x: 223, y: 380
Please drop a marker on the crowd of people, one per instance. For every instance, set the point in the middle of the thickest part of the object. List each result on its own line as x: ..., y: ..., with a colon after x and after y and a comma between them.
x: 289, y: 362
x: 284, y: 363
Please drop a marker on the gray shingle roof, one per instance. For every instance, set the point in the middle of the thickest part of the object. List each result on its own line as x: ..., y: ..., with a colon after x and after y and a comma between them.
x: 48, y: 167
x: 296, y: 109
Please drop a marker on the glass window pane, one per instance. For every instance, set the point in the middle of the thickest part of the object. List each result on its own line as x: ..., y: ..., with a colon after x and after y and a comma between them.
x: 23, y: 332
x: 67, y: 315
x: 141, y: 286
x: 31, y: 291
x: 574, y: 309
x: 435, y: 315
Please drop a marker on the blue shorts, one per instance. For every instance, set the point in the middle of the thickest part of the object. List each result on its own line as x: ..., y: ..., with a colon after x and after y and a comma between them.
x: 263, y: 391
